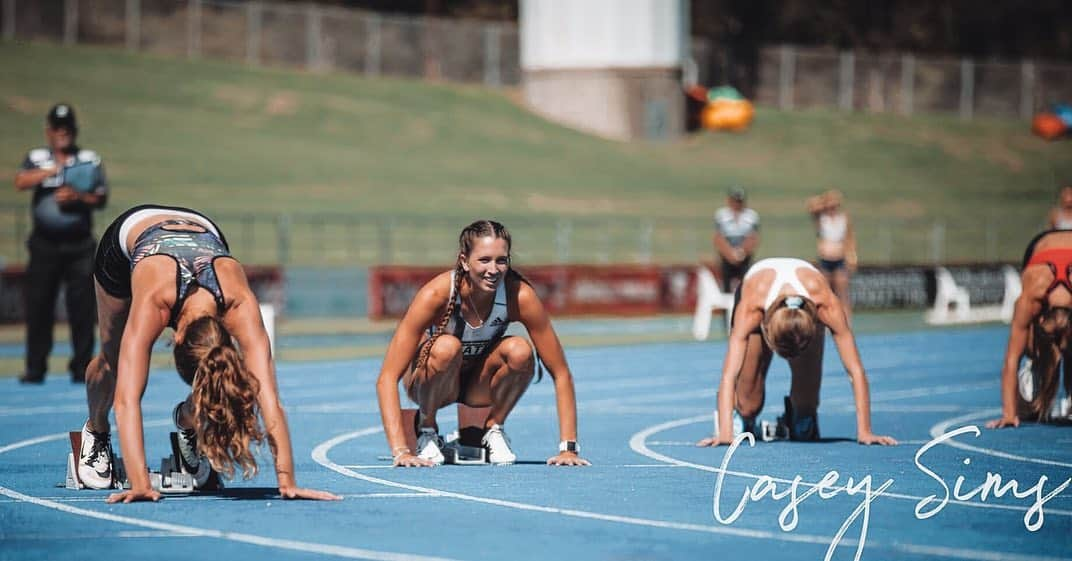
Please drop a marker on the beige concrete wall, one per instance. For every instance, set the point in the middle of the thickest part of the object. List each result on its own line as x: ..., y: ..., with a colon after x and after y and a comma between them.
x: 617, y: 103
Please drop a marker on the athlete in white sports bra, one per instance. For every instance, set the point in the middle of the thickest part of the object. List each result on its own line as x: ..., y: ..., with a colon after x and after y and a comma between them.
x: 450, y: 347
x: 1061, y: 215
x: 784, y: 305
x: 836, y: 243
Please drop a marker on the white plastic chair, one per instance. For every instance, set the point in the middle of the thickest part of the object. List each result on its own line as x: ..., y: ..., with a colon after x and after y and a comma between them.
x: 709, y: 297
x: 1012, y: 292
x: 949, y: 293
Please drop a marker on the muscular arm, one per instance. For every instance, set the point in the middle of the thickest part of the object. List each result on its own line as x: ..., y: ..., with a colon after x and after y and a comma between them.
x: 530, y: 311
x: 747, y: 316
x: 147, y: 319
x: 1027, y: 307
x: 746, y: 321
x: 400, y: 354
x: 832, y: 314
x: 243, y: 319
x: 536, y: 320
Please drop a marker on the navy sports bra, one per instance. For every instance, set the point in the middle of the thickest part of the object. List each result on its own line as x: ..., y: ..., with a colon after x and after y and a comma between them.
x: 194, y: 251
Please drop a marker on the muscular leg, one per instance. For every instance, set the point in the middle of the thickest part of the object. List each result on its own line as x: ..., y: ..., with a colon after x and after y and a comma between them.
x: 437, y: 383
x: 752, y: 380
x: 807, y: 376
x: 502, y: 379
x: 100, y: 374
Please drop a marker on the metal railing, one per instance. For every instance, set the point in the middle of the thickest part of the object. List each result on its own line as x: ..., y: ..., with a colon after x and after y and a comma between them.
x: 348, y: 239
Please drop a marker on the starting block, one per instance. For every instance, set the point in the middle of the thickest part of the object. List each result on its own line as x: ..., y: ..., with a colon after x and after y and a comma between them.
x: 464, y: 446
x: 173, y: 477
x: 769, y: 431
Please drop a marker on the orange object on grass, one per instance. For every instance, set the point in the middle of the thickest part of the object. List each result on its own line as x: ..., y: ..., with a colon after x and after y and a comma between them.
x: 1048, y: 126
x: 728, y: 115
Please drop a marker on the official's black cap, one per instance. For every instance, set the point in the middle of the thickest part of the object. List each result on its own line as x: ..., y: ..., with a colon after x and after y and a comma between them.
x: 61, y: 116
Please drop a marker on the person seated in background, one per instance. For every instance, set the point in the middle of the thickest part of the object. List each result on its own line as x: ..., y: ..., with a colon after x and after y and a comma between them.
x: 1040, y: 330
x: 785, y: 306
x: 1060, y: 217
x: 450, y: 347
x: 836, y: 244
x: 160, y: 267
x: 736, y: 238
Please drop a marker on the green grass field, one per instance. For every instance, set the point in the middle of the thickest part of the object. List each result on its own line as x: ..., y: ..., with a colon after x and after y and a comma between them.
x: 349, y: 158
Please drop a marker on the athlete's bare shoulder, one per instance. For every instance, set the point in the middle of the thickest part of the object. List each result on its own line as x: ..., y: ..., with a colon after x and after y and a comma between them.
x: 1035, y: 280
x: 814, y: 282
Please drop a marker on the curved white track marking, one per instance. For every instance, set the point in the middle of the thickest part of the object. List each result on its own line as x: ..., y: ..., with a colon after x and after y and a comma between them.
x: 320, y: 455
x: 638, y: 443
x: 62, y: 435
x: 943, y: 427
x: 191, y: 531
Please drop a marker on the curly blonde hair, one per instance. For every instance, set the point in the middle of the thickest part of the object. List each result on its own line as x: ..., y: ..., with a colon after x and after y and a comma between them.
x: 224, y: 396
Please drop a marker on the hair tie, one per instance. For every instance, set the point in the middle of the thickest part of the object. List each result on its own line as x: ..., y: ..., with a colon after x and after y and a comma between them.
x: 794, y: 302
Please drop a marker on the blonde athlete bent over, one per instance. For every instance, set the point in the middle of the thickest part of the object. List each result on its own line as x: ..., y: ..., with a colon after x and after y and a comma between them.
x: 785, y: 305
x: 157, y: 267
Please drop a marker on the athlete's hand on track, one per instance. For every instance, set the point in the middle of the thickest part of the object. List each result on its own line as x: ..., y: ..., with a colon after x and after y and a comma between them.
x: 134, y: 495
x: 1003, y: 422
x: 310, y: 494
x: 411, y: 460
x: 714, y: 441
x: 871, y: 438
x: 567, y: 459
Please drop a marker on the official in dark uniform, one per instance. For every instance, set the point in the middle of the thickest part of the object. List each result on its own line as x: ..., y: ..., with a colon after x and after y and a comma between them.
x: 68, y: 184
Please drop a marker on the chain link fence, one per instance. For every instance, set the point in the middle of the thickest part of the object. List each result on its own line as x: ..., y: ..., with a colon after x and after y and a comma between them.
x: 330, y: 38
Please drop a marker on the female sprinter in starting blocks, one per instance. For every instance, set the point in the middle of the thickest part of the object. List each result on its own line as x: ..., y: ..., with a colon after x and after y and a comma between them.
x: 1039, y: 331
x: 162, y: 266
x: 786, y: 305
x: 450, y: 347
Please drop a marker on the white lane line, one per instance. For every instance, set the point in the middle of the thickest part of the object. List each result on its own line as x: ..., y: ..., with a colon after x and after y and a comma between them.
x: 320, y: 455
x: 944, y: 426
x: 72, y: 536
x: 651, y: 466
x: 293, y: 545
x: 638, y: 443
x: 99, y: 498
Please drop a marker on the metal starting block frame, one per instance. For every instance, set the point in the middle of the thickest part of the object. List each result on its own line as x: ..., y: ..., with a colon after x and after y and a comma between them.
x: 769, y: 431
x: 459, y: 454
x: 172, y: 479
x: 463, y: 446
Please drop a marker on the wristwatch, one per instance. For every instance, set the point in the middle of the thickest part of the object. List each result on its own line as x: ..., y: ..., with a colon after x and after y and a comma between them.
x: 568, y: 446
